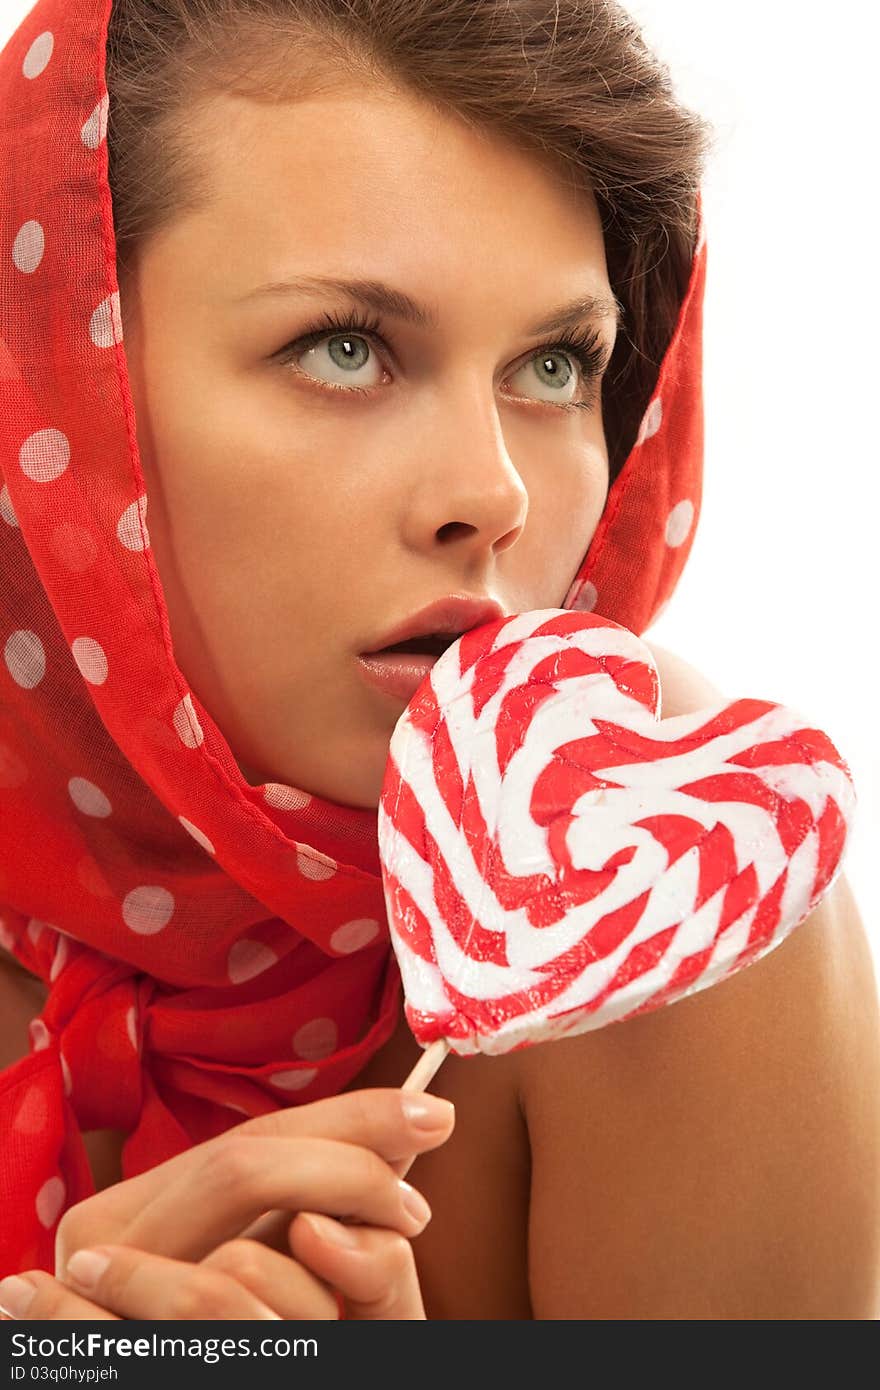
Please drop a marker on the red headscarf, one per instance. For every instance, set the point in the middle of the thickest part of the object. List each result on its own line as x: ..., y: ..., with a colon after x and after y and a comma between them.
x: 211, y: 949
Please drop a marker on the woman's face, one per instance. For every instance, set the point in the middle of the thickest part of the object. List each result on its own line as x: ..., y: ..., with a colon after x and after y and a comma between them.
x: 294, y: 519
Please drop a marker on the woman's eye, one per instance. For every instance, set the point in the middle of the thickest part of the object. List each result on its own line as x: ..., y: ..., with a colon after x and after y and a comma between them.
x: 348, y: 359
x: 553, y: 373
x: 340, y: 359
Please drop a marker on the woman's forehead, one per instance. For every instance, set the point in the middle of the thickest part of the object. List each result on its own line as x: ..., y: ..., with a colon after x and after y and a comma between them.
x: 415, y: 201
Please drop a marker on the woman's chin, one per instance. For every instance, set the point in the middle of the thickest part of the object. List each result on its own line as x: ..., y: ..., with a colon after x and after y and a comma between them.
x: 361, y: 794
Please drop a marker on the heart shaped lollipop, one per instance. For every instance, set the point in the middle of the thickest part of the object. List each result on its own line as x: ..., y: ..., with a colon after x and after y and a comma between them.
x: 555, y: 857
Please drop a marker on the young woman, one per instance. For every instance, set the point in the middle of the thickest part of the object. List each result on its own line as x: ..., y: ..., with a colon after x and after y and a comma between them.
x: 355, y: 310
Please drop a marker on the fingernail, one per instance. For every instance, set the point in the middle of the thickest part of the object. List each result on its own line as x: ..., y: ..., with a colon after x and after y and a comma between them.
x: 16, y: 1296
x: 331, y: 1230
x: 428, y: 1112
x: 86, y: 1267
x: 414, y: 1203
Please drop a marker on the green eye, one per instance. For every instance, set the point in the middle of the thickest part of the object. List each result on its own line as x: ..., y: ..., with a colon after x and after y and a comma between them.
x: 347, y: 341
x: 349, y: 353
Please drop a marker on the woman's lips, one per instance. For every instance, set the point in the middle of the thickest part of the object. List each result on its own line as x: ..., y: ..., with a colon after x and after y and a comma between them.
x: 396, y: 673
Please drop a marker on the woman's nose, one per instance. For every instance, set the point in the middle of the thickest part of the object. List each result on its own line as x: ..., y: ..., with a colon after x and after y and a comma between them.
x: 469, y: 491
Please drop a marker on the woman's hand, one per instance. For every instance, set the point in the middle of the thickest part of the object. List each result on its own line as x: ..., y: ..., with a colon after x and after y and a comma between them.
x: 184, y: 1231
x: 373, y: 1269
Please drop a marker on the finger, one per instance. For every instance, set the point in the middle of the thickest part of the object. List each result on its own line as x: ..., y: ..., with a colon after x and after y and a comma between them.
x: 279, y: 1281
x: 51, y: 1299
x: 395, y: 1124
x: 271, y: 1229
x: 240, y: 1178
x: 374, y: 1270
x: 138, y: 1284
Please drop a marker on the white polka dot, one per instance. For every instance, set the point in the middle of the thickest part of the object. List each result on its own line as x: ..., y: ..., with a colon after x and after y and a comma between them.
x: 239, y: 1109
x: 294, y: 1080
x: 148, y: 909
x: 25, y: 658
x: 585, y: 598
x: 701, y: 236
x: 59, y: 960
x: 198, y: 836
x: 651, y: 422
x: 88, y: 798
x: 95, y: 128
x: 351, y: 936
x: 91, y: 659
x: 44, y: 456
x: 9, y: 368
x: 249, y: 958
x: 311, y: 866
x: 7, y: 511
x: 32, y: 1115
x: 132, y: 528
x: 679, y: 522
x: 37, y: 57
x: 7, y: 939
x: 73, y: 547
x: 285, y: 798
x: 91, y: 878
x: 186, y: 723
x: 50, y: 1200
x: 105, y: 327
x: 35, y: 929
x: 29, y: 247
x: 13, y: 772
x: 65, y: 1072
x: 315, y: 1039
x: 39, y: 1034
x: 131, y: 1026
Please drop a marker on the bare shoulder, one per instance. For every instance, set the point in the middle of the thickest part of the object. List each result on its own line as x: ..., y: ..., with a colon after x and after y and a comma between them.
x: 472, y: 1257
x: 719, y: 1158
x: 683, y: 687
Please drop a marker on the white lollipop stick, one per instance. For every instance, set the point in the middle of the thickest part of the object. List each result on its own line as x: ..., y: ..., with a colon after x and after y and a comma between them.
x: 427, y: 1066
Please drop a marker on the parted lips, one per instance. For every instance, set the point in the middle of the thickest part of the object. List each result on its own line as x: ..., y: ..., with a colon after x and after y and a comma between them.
x: 555, y: 857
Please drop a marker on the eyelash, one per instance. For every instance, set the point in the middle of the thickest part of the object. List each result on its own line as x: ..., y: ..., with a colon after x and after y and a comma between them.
x: 587, y: 349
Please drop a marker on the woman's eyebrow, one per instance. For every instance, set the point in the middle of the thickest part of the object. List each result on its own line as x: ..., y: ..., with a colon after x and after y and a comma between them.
x: 382, y: 298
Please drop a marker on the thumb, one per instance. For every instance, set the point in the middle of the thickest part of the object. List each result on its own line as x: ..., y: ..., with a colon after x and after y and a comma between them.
x: 371, y: 1269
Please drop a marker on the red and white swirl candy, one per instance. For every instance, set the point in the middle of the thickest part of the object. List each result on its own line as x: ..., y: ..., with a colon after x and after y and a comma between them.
x: 555, y: 857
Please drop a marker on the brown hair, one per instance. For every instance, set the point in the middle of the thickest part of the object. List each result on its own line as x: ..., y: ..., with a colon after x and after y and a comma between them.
x: 571, y: 80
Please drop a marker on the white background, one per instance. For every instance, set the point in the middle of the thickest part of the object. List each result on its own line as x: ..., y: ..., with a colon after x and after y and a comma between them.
x: 778, y: 598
